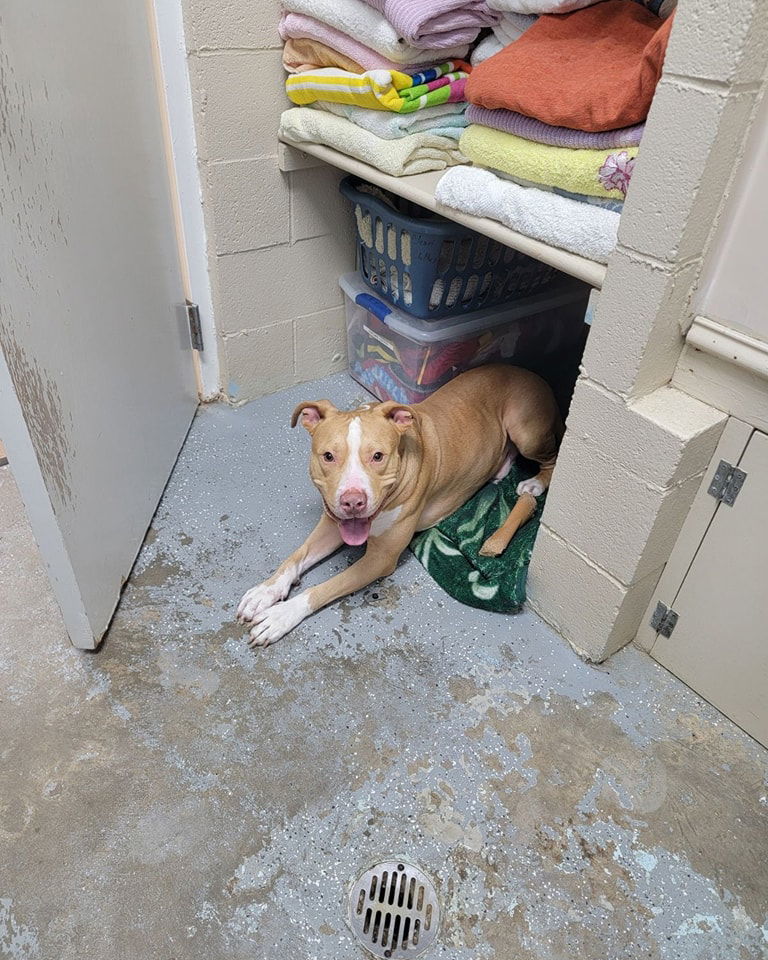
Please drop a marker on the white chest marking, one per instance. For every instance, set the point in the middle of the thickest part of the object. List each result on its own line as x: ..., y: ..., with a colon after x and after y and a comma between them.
x: 384, y: 521
x: 354, y: 475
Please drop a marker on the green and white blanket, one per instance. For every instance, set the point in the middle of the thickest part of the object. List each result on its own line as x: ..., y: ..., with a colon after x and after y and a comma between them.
x: 449, y: 551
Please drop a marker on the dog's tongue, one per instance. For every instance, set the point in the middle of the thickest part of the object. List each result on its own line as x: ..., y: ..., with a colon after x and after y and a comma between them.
x: 354, y: 532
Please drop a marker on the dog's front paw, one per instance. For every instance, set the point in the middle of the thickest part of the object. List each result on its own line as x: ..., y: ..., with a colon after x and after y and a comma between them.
x: 258, y: 599
x: 272, y: 624
x: 533, y: 486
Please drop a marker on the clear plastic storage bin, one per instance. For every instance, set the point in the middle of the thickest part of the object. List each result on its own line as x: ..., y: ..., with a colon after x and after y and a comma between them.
x: 399, y: 357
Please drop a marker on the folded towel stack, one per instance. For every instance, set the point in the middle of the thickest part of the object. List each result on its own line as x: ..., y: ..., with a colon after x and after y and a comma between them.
x: 557, y: 114
x: 376, y: 72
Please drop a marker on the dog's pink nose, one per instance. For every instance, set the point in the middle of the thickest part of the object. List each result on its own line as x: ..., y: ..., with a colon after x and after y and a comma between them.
x: 354, y: 501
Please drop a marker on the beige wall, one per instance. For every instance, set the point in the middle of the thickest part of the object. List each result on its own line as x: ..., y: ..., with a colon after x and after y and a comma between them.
x: 734, y: 287
x: 725, y: 358
x: 277, y: 241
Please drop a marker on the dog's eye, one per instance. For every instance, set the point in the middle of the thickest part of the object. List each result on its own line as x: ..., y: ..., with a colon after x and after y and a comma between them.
x: 377, y: 457
x: 328, y: 456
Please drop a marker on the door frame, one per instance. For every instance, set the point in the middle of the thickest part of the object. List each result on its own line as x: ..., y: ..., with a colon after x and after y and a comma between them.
x: 733, y: 442
x: 166, y: 25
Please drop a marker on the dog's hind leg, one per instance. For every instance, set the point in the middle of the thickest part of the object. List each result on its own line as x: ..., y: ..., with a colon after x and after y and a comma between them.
x: 507, y: 465
x: 542, y: 449
x: 521, y: 513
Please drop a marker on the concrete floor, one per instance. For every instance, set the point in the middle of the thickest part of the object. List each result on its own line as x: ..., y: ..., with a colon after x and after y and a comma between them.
x: 176, y: 796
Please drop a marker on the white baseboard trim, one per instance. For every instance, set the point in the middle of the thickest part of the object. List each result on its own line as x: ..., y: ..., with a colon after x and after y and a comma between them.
x: 729, y: 344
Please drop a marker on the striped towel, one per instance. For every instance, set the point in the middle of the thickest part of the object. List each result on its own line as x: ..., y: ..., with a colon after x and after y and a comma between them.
x: 382, y: 89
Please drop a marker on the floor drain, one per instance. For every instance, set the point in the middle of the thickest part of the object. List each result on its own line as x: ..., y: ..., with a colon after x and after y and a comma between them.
x: 394, y: 911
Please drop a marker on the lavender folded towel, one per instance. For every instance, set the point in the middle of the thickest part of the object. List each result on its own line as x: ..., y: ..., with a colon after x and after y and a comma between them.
x: 531, y: 129
x: 435, y: 24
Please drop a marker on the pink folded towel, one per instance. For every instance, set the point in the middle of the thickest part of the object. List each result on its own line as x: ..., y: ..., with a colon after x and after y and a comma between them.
x: 435, y: 24
x: 300, y: 26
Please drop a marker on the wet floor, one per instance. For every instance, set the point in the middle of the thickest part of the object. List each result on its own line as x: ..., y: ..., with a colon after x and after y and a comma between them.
x: 177, y: 796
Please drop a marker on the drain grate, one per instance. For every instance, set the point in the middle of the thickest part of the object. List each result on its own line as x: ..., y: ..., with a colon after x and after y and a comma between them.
x: 393, y: 910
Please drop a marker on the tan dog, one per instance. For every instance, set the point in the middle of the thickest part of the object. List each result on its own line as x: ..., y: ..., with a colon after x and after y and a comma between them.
x: 387, y: 470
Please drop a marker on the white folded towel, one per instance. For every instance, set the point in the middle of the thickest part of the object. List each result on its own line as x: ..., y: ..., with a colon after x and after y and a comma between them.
x: 416, y: 153
x: 579, y: 227
x: 487, y: 47
x: 511, y: 26
x: 368, y: 26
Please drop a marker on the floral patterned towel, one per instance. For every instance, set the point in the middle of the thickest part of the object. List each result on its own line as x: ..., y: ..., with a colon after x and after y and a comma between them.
x: 592, y: 173
x: 449, y: 551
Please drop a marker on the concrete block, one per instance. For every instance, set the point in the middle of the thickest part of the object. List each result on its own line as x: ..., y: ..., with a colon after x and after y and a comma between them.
x: 248, y: 203
x: 715, y: 183
x: 317, y: 207
x: 320, y: 344
x: 754, y: 53
x: 238, y: 98
x: 694, y: 135
x: 621, y: 522
x: 259, y: 362
x: 628, y: 619
x: 664, y: 437
x: 591, y: 609
x: 636, y: 334
x: 733, y: 50
x: 667, y: 332
x: 261, y: 287
x: 239, y: 24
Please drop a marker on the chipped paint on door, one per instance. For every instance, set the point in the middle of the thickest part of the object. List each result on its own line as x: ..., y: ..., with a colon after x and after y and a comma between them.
x: 95, y: 347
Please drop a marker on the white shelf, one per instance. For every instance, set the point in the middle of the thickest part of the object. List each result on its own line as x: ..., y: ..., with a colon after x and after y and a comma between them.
x: 420, y: 188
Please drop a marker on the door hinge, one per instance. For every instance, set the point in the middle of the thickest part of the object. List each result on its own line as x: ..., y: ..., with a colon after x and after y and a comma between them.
x: 195, y: 329
x: 664, y: 619
x: 726, y: 483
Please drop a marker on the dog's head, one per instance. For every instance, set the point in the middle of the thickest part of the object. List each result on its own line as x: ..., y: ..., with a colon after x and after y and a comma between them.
x: 355, y: 459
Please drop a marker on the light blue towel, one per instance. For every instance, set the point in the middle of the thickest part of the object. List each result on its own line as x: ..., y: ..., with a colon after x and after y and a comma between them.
x: 444, y: 120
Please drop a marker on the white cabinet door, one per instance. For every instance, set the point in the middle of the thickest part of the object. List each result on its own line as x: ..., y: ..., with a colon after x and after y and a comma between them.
x: 719, y: 645
x: 97, y: 385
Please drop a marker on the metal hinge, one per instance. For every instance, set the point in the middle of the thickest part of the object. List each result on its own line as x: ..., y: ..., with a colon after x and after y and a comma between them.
x: 195, y: 330
x: 726, y: 483
x: 664, y: 619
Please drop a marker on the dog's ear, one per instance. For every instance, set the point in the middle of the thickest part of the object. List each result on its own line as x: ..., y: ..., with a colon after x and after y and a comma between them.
x: 312, y: 413
x: 398, y: 413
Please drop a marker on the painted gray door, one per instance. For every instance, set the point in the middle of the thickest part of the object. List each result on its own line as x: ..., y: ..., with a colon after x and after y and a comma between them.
x: 719, y: 645
x: 97, y: 385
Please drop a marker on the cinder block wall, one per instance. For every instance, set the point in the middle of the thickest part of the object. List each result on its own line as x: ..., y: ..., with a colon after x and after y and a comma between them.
x: 277, y: 241
x: 635, y: 448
